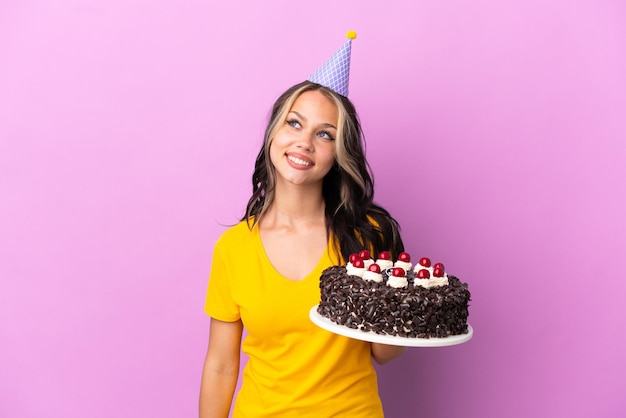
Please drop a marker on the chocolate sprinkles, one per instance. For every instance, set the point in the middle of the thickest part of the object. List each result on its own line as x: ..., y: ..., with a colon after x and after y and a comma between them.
x: 413, y: 312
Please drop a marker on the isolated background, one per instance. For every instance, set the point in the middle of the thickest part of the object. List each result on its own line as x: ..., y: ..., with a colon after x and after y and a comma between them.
x: 128, y: 131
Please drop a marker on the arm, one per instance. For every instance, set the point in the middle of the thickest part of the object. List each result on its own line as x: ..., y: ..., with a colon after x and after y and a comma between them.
x: 383, y: 353
x: 221, y: 369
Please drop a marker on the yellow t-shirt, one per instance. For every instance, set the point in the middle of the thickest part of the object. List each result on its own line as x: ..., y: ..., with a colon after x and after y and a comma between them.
x: 295, y: 369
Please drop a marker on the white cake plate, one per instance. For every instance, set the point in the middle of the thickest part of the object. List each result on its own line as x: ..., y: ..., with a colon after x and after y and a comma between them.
x: 372, y: 337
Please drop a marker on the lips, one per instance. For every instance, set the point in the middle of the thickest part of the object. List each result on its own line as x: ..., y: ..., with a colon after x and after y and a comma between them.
x: 299, y: 161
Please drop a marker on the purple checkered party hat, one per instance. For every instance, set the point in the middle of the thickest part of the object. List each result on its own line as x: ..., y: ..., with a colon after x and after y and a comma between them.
x: 335, y: 72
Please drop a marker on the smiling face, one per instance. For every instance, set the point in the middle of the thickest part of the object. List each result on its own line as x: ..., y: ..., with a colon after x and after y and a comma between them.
x: 303, y: 148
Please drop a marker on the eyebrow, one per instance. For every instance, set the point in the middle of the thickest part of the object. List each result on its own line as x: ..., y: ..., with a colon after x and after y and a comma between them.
x: 327, y: 125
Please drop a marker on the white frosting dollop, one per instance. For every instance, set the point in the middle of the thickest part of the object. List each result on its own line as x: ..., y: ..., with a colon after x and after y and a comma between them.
x: 373, y: 276
x: 384, y: 264
x: 397, y: 282
x: 419, y: 267
x: 403, y: 264
x: 432, y: 282
x: 354, y: 271
x: 368, y: 263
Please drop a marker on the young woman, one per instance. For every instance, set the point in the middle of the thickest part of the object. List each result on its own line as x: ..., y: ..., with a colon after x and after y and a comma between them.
x: 311, y: 207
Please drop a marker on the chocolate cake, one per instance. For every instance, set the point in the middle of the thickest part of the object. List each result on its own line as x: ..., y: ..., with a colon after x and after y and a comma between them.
x: 395, y: 298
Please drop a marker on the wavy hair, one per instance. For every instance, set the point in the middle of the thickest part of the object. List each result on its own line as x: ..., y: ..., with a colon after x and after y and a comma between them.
x: 352, y: 217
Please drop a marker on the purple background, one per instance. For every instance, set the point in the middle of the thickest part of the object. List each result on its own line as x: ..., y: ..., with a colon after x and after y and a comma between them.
x: 128, y: 131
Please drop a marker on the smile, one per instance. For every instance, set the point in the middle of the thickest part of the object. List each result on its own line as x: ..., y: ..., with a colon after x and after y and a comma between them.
x: 299, y: 161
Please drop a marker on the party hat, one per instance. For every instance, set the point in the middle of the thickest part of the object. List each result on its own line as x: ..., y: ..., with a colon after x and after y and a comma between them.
x: 335, y: 72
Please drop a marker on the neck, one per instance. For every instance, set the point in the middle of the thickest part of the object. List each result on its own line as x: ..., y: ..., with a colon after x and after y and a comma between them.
x: 295, y: 204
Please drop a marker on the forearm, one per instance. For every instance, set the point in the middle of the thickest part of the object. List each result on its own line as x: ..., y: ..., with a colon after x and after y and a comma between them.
x: 216, y: 392
x: 383, y: 353
x: 221, y: 369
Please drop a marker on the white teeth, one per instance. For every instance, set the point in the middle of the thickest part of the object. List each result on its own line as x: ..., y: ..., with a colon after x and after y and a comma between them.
x: 298, y: 161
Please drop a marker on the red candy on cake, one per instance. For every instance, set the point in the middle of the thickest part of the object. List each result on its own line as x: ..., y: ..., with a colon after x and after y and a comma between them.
x: 425, y: 261
x: 439, y: 265
x: 364, y: 254
x: 354, y: 257
x: 358, y: 263
x: 398, y: 272
x: 404, y: 257
x: 423, y: 274
x: 438, y: 272
x: 384, y: 255
x: 374, y: 267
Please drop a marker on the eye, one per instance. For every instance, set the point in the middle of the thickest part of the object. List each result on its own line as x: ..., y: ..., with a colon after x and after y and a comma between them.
x: 294, y: 123
x: 326, y: 135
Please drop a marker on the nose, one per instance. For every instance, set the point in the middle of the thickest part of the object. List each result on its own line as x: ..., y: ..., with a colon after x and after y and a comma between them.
x: 305, y: 140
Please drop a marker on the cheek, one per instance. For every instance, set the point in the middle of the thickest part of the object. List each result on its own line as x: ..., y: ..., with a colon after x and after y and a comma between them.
x: 330, y: 157
x: 279, y: 141
x: 331, y: 152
